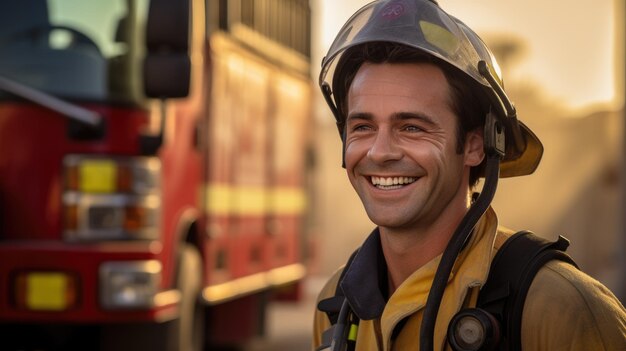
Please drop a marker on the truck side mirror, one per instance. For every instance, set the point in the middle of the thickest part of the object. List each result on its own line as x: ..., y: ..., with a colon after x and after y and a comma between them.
x: 167, y: 65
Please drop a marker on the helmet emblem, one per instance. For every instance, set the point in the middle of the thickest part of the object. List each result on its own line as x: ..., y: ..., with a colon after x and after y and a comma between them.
x: 392, y: 11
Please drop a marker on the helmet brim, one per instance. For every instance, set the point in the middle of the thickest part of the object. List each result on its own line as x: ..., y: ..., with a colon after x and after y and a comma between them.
x: 525, y: 161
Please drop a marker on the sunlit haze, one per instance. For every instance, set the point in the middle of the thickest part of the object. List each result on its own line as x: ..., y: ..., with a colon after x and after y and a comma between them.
x: 567, y: 47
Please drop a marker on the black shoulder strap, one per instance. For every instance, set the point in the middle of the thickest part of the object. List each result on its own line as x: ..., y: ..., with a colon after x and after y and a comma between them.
x: 511, y: 274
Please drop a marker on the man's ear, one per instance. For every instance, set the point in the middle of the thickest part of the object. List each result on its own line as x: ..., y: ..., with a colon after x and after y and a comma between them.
x: 474, y: 149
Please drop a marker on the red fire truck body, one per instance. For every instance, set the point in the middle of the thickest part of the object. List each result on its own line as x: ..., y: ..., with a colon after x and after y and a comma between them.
x: 178, y: 212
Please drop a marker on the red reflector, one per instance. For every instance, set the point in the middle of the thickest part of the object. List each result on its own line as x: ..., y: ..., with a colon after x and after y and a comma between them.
x: 134, y: 218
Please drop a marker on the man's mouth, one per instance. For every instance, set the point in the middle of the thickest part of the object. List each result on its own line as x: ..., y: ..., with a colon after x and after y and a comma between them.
x: 389, y: 183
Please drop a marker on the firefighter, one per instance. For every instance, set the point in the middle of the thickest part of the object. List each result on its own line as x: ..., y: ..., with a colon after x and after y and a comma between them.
x: 422, y: 114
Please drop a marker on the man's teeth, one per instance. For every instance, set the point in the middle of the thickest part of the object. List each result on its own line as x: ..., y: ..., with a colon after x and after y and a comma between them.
x: 391, y: 181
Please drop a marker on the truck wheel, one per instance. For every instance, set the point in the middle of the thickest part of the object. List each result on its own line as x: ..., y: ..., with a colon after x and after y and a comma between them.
x: 189, y: 327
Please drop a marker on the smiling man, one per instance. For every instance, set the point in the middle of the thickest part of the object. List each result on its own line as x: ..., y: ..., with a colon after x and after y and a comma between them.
x: 422, y: 115
x: 402, y: 158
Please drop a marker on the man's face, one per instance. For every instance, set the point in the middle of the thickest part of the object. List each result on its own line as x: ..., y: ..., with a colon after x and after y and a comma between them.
x: 401, y: 152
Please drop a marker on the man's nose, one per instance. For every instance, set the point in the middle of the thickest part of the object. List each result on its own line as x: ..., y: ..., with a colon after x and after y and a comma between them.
x: 384, y: 147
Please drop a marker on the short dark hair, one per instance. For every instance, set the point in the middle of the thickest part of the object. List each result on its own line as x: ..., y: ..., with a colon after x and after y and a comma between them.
x: 466, y: 102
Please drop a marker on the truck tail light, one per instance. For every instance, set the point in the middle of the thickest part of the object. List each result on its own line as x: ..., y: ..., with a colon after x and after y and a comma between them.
x: 137, y: 217
x: 110, y: 176
x: 111, y: 198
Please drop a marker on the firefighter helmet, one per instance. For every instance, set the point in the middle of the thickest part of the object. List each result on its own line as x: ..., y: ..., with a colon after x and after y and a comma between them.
x: 423, y: 25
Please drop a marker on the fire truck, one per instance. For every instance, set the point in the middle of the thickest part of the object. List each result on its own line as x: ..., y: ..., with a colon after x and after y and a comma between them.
x: 153, y: 158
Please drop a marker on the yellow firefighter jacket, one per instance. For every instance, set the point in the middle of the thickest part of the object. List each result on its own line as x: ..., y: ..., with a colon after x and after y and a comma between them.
x: 565, y: 309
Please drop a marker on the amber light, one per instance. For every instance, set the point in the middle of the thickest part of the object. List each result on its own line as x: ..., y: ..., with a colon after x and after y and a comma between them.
x: 134, y: 218
x: 71, y: 177
x: 49, y: 291
x: 71, y: 217
x: 124, y: 179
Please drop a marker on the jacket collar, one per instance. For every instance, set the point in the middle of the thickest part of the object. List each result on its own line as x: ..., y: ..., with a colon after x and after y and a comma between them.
x: 365, y: 281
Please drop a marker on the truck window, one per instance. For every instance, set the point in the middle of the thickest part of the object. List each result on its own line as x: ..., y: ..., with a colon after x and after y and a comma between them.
x: 83, y: 50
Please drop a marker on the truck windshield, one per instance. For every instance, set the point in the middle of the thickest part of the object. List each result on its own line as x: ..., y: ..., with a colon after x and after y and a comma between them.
x: 82, y: 50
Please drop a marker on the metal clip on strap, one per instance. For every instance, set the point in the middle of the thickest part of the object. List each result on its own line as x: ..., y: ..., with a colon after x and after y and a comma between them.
x: 494, y: 135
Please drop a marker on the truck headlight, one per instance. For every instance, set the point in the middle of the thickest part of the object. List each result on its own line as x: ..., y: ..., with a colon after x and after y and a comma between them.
x: 131, y: 284
x: 111, y: 198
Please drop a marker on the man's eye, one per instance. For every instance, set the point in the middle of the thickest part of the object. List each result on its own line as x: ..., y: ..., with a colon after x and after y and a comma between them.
x: 361, y: 128
x: 412, y: 128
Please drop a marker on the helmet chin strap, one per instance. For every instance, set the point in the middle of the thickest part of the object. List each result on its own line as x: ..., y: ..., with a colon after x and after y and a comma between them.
x: 456, y: 243
x: 494, y: 147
